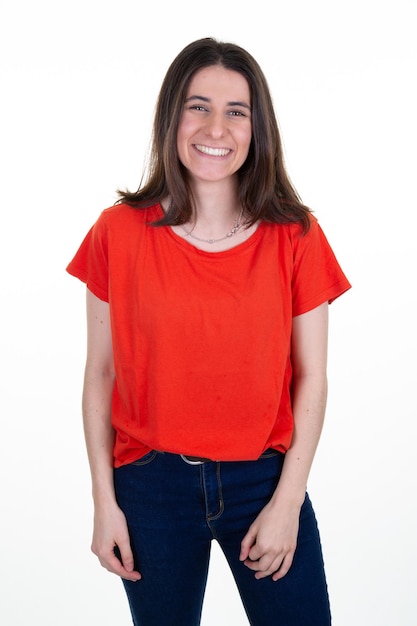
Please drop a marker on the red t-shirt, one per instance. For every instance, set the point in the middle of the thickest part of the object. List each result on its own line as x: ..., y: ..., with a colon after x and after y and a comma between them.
x: 201, y: 339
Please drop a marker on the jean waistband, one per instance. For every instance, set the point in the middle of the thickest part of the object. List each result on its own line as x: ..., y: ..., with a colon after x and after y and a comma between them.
x: 198, y: 460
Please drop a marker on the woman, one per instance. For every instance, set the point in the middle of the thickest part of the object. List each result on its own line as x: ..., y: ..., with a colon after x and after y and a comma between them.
x: 205, y: 380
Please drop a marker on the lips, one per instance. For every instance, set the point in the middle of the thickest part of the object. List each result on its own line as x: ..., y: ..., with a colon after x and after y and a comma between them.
x: 218, y: 152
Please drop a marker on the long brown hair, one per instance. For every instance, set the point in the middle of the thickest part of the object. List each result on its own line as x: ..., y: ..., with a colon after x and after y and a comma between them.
x: 264, y: 188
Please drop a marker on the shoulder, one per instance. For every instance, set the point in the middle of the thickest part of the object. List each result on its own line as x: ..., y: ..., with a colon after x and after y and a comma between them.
x: 296, y: 228
x: 124, y: 222
x: 294, y: 232
x: 124, y: 214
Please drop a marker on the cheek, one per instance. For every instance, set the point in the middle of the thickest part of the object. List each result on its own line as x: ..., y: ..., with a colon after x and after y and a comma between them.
x: 185, y: 129
x: 180, y: 147
x: 183, y: 135
x: 245, y: 141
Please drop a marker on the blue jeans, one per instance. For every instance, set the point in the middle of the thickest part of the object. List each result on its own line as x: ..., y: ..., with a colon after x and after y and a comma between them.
x: 174, y: 510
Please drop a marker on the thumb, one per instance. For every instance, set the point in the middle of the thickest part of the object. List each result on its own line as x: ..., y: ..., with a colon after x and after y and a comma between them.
x: 126, y: 556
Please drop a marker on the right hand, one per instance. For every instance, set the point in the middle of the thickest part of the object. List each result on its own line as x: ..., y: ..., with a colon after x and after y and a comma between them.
x: 110, y: 530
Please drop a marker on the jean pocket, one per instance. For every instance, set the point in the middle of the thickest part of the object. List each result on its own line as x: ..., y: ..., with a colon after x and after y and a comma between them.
x: 147, y: 458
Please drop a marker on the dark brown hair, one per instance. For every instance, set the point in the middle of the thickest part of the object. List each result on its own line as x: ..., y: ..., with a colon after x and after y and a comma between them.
x: 264, y: 188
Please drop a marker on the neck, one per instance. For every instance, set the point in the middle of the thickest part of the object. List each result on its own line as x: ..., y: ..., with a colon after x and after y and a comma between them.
x: 214, y: 239
x: 215, y: 206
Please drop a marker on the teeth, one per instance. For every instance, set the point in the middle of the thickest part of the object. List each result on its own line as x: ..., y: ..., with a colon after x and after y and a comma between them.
x: 212, y: 151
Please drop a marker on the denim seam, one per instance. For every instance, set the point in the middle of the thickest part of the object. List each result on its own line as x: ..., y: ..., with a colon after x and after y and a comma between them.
x: 221, y: 501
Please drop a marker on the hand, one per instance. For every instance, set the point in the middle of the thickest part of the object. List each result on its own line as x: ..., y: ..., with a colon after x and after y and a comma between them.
x: 269, y: 545
x: 110, y: 530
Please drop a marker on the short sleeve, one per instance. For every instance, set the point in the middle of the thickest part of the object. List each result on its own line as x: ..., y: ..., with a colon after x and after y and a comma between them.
x: 317, y: 275
x: 90, y: 264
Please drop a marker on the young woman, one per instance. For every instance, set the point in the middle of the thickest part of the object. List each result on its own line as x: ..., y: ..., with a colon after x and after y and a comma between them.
x: 205, y: 381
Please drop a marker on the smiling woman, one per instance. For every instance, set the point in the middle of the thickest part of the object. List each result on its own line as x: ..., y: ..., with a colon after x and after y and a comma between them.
x: 263, y: 187
x: 205, y: 381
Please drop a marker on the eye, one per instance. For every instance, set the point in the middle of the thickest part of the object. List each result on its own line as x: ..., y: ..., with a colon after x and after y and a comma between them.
x: 236, y: 113
x: 197, y: 107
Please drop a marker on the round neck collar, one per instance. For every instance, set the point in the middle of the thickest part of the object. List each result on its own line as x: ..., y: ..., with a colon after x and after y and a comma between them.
x: 191, y: 247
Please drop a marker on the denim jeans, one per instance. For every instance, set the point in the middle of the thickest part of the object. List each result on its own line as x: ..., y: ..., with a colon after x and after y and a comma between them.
x: 174, y: 510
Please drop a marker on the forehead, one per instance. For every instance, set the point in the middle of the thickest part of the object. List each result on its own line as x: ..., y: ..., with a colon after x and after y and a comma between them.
x: 217, y: 81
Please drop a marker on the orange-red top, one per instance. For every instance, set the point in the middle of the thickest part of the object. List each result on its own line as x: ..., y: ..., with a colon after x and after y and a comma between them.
x: 202, y: 339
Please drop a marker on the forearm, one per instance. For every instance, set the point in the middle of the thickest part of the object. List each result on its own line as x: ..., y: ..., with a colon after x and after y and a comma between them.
x: 309, y: 404
x: 98, y: 431
x: 270, y: 543
x: 110, y: 527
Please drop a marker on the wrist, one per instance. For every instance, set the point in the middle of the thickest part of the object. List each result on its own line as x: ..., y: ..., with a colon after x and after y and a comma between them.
x: 103, y: 493
x: 288, y: 498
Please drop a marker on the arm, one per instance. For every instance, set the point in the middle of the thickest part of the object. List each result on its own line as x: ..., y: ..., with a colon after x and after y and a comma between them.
x: 110, y: 528
x: 269, y: 546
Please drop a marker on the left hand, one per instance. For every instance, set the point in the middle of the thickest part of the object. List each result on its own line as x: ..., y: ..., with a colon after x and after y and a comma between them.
x: 269, y: 545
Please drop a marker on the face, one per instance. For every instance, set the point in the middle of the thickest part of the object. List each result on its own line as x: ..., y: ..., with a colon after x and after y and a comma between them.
x: 215, y: 129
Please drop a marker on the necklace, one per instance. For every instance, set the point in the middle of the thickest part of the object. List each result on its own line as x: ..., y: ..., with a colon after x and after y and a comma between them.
x: 236, y: 226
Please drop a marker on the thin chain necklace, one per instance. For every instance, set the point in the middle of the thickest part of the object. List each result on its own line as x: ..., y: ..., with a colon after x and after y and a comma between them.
x: 236, y: 226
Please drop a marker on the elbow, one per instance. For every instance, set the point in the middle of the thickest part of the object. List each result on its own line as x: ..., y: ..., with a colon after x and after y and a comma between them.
x: 103, y: 372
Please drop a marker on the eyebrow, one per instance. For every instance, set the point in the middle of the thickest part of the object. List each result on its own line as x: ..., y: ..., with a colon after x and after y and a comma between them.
x: 232, y: 103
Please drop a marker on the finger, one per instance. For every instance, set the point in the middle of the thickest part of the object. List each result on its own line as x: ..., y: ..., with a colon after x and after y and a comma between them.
x: 114, y: 565
x: 266, y: 565
x: 284, y: 569
x: 112, y: 562
x: 260, y: 552
x: 126, y: 556
x: 246, y: 545
x: 278, y: 568
x: 269, y: 571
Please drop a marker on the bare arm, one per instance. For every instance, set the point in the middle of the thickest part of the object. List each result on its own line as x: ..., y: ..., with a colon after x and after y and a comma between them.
x: 269, y: 546
x: 110, y: 528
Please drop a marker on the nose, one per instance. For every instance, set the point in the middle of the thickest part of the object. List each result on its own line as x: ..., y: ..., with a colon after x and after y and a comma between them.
x: 215, y: 126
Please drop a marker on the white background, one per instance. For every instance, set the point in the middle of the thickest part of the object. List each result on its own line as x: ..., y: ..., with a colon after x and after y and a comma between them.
x: 78, y: 84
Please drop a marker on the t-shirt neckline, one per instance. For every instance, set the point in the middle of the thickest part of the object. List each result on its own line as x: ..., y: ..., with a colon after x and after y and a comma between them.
x: 189, y: 246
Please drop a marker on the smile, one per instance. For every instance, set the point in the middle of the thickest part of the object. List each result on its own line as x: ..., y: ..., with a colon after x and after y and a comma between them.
x: 212, y: 151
